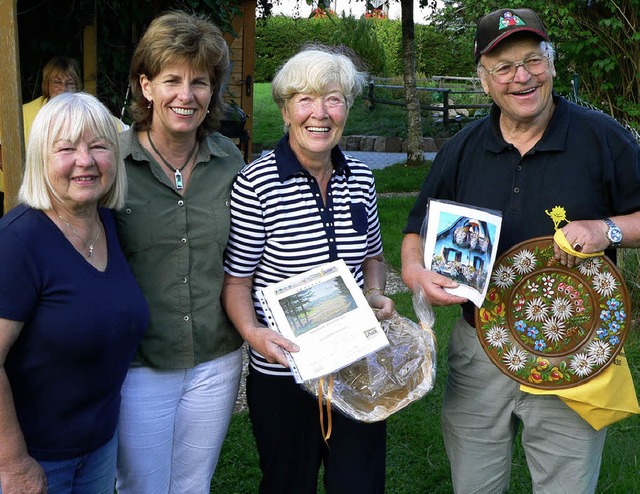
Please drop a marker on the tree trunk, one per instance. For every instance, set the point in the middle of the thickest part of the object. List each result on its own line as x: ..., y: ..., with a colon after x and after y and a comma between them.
x: 415, y: 154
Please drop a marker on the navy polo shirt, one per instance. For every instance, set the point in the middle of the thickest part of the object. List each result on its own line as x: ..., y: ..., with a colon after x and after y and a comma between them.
x: 585, y: 162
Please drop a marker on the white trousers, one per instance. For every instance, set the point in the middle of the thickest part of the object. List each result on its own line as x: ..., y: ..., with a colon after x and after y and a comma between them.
x: 172, y: 426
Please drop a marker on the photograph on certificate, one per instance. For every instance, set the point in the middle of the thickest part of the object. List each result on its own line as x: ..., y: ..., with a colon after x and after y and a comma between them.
x: 461, y: 242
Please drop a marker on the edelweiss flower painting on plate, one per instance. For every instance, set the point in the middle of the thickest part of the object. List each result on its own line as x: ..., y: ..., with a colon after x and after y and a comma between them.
x: 549, y: 326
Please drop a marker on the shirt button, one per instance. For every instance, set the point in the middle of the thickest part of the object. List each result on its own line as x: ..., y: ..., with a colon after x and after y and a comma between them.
x: 330, y: 240
x: 227, y: 203
x: 519, y: 168
x: 186, y: 318
x: 180, y: 202
x: 128, y: 210
x: 516, y: 190
x: 183, y: 280
x: 183, y: 240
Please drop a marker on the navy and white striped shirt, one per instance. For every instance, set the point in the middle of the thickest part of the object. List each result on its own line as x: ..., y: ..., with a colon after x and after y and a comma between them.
x: 280, y: 226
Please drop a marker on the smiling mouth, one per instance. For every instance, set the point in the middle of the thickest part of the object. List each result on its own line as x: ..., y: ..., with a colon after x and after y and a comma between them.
x: 526, y: 91
x: 183, y: 111
x: 320, y: 130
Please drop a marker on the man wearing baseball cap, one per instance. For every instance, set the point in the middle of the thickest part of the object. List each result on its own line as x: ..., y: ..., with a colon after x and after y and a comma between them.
x: 533, y: 152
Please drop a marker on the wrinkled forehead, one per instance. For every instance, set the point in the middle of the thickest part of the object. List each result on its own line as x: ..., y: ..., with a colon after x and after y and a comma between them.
x: 514, y: 45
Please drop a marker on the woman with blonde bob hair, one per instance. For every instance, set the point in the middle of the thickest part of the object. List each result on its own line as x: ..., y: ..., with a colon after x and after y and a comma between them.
x: 71, y: 312
x: 300, y: 206
x: 68, y: 119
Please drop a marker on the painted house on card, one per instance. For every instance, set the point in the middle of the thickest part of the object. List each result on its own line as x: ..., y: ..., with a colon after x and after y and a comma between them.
x: 463, y: 250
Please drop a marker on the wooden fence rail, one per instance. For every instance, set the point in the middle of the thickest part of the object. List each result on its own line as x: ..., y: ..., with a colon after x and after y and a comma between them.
x: 445, y: 93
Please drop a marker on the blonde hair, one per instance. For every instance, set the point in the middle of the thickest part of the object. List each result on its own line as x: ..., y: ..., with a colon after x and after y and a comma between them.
x: 67, y: 117
x: 60, y: 66
x: 316, y: 70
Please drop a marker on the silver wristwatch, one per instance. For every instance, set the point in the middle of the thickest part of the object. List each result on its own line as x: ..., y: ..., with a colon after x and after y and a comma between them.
x: 614, y: 234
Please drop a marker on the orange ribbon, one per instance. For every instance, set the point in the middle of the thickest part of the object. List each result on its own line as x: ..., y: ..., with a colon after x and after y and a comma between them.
x: 326, y: 434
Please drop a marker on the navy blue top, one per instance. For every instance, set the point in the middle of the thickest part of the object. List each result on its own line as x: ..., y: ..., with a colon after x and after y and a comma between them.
x: 81, y: 329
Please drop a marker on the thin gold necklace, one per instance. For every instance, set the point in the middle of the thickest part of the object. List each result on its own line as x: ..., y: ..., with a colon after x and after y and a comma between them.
x: 176, y: 171
x: 328, y: 171
x: 88, y: 245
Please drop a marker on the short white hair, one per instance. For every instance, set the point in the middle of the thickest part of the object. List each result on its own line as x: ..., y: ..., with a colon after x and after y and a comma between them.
x: 316, y: 70
x: 68, y: 116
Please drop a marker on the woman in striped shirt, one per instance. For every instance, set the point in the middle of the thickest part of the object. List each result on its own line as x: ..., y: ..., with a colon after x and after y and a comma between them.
x: 300, y: 206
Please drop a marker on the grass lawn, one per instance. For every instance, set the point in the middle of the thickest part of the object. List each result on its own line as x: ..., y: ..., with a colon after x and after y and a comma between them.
x: 416, y: 459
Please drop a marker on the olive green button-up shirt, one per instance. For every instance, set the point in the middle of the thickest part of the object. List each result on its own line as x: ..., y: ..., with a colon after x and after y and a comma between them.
x: 175, y: 247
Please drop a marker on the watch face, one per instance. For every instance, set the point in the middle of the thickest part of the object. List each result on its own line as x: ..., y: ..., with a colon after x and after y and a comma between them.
x: 615, y: 235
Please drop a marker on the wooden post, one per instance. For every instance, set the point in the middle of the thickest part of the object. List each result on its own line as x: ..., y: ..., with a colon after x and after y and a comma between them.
x: 90, y: 56
x: 10, y: 103
x: 242, y: 53
x: 248, y: 61
x: 445, y: 107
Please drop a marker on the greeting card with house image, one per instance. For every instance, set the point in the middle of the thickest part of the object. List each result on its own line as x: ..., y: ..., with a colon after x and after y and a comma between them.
x: 461, y: 242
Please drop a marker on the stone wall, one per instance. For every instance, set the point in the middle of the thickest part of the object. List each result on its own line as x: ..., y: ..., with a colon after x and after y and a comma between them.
x: 383, y: 144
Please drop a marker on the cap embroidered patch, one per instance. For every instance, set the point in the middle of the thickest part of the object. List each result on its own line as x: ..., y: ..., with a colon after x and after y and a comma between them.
x: 509, y: 19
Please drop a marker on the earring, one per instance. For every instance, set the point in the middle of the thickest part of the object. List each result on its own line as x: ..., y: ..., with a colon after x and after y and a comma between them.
x: 150, y: 104
x: 208, y: 111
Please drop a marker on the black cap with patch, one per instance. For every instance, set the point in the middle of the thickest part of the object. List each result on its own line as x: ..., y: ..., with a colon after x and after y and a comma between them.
x: 499, y: 24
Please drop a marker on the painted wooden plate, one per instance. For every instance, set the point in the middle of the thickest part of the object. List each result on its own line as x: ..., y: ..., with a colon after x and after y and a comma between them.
x: 549, y: 326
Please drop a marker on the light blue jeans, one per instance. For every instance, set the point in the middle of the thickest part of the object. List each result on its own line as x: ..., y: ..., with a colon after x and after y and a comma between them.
x: 172, y: 426
x: 93, y: 473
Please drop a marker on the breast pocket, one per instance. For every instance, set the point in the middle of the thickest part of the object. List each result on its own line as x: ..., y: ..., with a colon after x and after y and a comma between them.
x: 222, y: 218
x: 135, y: 227
x: 359, y: 217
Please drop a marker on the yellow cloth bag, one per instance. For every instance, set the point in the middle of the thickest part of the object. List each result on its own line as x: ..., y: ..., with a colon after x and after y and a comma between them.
x: 603, y: 400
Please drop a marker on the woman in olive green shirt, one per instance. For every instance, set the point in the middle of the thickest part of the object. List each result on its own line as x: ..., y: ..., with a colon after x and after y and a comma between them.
x: 178, y: 398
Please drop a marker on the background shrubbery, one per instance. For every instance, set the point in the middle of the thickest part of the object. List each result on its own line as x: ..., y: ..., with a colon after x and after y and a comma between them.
x: 378, y: 42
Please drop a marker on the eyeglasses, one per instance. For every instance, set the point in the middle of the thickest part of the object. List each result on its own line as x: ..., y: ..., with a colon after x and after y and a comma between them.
x: 58, y: 84
x: 504, y: 73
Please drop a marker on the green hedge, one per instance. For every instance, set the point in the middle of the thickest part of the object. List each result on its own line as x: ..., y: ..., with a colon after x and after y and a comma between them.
x: 377, y: 41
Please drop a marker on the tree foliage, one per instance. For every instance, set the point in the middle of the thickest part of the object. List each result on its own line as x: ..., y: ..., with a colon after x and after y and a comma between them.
x: 377, y: 41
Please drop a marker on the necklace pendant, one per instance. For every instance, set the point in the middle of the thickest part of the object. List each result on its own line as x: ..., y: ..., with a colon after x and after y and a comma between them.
x: 179, y: 184
x: 90, y: 250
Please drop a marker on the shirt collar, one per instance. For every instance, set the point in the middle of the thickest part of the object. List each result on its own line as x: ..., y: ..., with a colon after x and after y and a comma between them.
x: 130, y: 146
x: 553, y: 139
x: 289, y: 166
